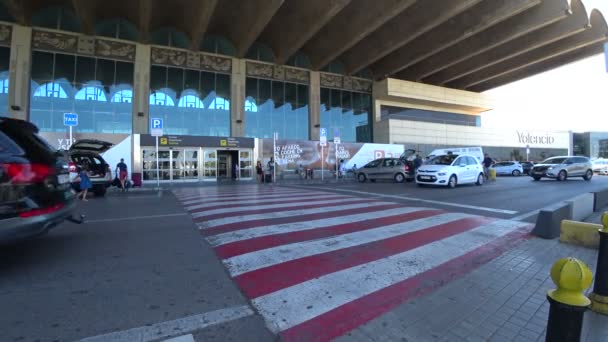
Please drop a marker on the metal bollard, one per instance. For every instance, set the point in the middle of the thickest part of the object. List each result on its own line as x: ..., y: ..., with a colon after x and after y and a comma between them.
x: 599, y: 296
x: 568, y: 304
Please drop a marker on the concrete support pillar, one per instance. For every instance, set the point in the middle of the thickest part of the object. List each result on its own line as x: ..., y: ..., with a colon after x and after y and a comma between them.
x: 237, y: 95
x: 141, y: 89
x: 314, y: 105
x: 19, y: 78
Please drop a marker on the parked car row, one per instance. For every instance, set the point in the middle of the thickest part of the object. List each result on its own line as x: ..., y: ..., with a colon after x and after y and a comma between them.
x: 452, y: 169
x: 445, y: 169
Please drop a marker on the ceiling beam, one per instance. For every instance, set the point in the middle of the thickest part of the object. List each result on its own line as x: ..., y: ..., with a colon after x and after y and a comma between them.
x: 145, y: 17
x: 351, y: 25
x: 574, y: 23
x: 256, y: 15
x: 598, y: 32
x: 85, y: 11
x: 19, y: 11
x: 540, y: 67
x: 296, y: 22
x: 417, y: 19
x: 478, y: 18
x: 533, y: 19
x: 200, y: 22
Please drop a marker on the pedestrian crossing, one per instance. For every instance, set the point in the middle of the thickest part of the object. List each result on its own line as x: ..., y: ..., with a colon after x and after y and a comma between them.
x: 317, y: 264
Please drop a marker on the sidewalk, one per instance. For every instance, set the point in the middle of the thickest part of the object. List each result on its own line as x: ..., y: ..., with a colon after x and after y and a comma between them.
x: 503, y: 300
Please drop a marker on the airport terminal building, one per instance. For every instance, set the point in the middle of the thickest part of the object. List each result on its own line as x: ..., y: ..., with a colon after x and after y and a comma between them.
x: 226, y: 76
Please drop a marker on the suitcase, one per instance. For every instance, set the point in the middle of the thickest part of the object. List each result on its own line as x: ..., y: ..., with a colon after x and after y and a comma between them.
x: 267, y: 178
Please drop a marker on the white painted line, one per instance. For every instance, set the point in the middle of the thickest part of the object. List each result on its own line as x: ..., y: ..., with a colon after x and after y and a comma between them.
x: 525, y: 216
x: 344, y: 199
x: 135, y: 218
x: 211, y: 194
x: 251, y: 233
x: 176, y: 327
x: 204, y: 203
x: 183, y: 338
x: 252, y: 195
x: 287, y: 213
x: 283, y: 309
x: 272, y: 256
x: 457, y: 205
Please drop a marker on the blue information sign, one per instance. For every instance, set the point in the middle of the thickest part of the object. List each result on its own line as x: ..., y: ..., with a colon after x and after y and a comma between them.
x: 70, y: 119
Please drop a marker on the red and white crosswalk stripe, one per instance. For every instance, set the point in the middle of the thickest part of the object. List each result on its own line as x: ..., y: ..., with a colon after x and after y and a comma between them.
x: 317, y: 265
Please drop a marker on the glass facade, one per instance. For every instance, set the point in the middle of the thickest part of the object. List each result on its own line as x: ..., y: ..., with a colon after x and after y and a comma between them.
x: 591, y: 144
x: 276, y: 106
x: 348, y: 111
x: 5, y: 54
x: 192, y: 102
x: 99, y: 90
x: 414, y: 114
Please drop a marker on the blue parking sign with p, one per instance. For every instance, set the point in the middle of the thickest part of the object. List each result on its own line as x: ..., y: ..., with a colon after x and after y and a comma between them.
x: 323, y: 132
x: 157, y: 123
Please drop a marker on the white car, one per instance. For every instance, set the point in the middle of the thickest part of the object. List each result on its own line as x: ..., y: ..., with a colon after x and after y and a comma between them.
x: 600, y: 166
x: 450, y: 170
x: 512, y: 168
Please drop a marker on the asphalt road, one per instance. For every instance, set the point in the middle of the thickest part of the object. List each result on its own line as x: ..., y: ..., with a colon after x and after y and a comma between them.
x: 139, y: 260
x: 507, y: 197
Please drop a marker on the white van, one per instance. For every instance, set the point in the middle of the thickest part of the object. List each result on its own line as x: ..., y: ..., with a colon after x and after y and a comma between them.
x: 476, y: 152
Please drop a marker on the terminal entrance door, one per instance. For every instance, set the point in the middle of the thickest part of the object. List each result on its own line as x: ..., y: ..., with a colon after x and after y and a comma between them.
x: 227, y: 165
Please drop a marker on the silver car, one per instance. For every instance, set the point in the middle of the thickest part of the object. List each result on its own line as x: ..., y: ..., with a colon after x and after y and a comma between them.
x: 385, y: 168
x: 561, y: 168
x: 513, y: 168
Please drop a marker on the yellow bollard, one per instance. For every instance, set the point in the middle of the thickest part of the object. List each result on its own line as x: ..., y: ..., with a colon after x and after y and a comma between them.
x: 599, y: 297
x: 568, y: 303
x: 492, y: 174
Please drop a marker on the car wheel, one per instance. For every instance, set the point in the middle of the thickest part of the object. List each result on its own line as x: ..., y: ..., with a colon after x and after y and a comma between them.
x: 452, y: 182
x: 480, y: 179
x: 99, y: 191
x: 361, y: 177
x: 536, y: 178
x: 561, y: 176
x: 516, y: 173
x: 588, y: 175
x: 399, y: 178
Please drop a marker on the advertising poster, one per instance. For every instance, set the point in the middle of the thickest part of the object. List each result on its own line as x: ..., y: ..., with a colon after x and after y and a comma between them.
x: 291, y: 154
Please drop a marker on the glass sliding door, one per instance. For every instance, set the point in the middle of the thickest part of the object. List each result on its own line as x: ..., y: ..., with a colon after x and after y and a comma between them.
x: 246, y: 164
x: 209, y: 164
x: 149, y: 164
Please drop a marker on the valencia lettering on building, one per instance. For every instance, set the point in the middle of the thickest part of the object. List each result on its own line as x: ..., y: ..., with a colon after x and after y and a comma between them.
x: 528, y: 138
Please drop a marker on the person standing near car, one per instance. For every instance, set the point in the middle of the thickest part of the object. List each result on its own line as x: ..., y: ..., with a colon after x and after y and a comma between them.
x: 121, y: 169
x: 85, y: 183
x: 487, y: 162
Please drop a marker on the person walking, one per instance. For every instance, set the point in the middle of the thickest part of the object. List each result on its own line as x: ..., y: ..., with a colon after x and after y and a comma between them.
x: 259, y: 171
x: 85, y: 183
x: 121, y: 170
x: 417, y: 162
x: 271, y: 166
x: 487, y: 162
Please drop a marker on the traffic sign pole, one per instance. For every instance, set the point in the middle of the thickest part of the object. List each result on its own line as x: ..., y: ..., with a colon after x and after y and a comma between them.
x: 156, y: 129
x: 71, y: 140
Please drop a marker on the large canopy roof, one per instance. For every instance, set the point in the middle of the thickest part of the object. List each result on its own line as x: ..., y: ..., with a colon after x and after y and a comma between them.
x: 464, y: 44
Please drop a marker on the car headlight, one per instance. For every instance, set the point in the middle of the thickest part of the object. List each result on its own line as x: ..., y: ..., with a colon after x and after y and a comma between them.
x: 550, y: 168
x: 442, y: 174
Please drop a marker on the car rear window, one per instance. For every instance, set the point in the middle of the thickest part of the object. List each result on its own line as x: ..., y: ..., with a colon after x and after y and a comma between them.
x: 21, y: 140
